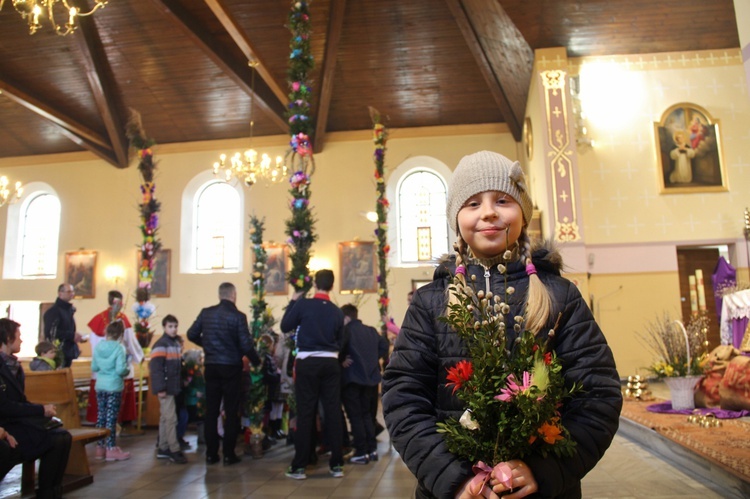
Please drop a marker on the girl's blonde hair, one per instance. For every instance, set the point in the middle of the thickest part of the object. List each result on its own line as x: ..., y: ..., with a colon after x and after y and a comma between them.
x: 538, y: 300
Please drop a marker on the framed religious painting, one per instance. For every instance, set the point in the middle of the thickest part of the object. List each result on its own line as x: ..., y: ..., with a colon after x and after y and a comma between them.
x: 160, y: 282
x: 277, y: 257
x: 689, y: 157
x: 358, y: 262
x: 80, y: 271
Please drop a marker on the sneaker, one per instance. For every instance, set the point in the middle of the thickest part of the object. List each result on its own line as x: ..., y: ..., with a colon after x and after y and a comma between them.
x: 101, y: 452
x: 298, y: 474
x: 363, y: 459
x: 337, y: 471
x: 373, y: 456
x: 117, y: 454
x: 163, y: 454
x: 184, y: 444
x: 178, y: 457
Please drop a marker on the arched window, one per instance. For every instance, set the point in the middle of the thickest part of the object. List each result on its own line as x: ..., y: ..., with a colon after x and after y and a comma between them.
x: 217, y: 218
x: 32, y: 234
x: 212, y: 226
x: 420, y: 193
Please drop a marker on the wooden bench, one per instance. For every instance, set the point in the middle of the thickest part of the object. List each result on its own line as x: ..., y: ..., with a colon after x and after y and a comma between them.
x: 57, y: 387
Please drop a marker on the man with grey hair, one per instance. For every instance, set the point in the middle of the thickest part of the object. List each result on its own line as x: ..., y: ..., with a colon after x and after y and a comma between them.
x: 223, y: 332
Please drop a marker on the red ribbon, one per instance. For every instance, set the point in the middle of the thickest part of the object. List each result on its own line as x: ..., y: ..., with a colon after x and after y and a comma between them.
x: 483, y: 473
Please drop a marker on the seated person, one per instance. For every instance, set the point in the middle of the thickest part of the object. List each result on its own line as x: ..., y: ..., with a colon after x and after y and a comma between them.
x: 20, y: 418
x: 45, y: 359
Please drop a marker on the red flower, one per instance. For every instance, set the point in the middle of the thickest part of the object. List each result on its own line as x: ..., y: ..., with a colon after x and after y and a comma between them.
x: 459, y: 374
x: 548, y: 358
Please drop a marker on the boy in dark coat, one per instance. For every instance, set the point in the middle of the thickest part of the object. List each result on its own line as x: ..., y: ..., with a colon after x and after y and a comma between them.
x: 165, y: 368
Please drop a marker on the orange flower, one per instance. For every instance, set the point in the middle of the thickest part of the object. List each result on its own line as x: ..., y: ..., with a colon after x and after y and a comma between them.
x: 459, y: 374
x: 550, y: 432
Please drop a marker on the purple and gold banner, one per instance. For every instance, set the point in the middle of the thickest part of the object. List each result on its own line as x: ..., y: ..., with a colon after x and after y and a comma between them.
x: 559, y: 156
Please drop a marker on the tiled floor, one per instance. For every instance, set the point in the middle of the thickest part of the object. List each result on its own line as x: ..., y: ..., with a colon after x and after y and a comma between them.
x: 626, y: 471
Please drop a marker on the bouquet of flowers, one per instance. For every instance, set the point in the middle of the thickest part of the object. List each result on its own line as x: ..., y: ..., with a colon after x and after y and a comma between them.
x: 512, y: 393
x: 666, y: 339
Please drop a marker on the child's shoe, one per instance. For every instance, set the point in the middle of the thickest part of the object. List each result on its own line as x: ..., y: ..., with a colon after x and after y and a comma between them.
x: 101, y: 452
x: 117, y: 454
x: 163, y: 454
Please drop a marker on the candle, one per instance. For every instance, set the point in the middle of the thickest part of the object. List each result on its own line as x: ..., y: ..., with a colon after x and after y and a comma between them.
x: 693, y: 295
x: 701, y: 290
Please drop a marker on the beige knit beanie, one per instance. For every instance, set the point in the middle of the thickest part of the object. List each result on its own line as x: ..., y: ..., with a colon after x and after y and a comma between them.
x: 487, y: 171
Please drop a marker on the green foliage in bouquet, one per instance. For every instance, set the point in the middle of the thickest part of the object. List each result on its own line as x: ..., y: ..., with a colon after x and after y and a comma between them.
x: 512, y: 393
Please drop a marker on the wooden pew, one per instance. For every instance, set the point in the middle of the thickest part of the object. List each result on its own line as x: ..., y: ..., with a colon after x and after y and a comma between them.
x: 56, y: 387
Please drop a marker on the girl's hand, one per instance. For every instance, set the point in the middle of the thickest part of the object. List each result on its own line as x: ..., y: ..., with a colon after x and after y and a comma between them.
x: 465, y: 492
x: 523, y: 482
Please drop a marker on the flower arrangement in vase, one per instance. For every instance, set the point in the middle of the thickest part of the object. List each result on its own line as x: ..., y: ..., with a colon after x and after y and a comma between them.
x: 681, y: 353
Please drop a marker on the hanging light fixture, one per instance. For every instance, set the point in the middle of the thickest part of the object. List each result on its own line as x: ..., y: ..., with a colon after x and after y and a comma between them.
x: 35, y: 10
x: 5, y: 193
x: 247, y: 167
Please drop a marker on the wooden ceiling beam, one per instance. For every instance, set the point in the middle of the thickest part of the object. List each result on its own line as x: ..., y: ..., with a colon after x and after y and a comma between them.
x: 101, y: 79
x: 335, y: 27
x: 10, y: 90
x: 243, y: 43
x: 238, y: 71
x: 103, y: 153
x: 502, y: 54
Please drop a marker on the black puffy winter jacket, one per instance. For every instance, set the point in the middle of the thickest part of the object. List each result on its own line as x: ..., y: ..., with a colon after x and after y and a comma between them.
x: 223, y: 333
x: 415, y: 396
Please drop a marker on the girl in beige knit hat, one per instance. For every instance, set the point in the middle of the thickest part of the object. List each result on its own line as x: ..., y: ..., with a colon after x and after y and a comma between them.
x: 489, y: 209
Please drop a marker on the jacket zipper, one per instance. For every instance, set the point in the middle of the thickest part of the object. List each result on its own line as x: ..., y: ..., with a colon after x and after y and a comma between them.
x: 486, y: 279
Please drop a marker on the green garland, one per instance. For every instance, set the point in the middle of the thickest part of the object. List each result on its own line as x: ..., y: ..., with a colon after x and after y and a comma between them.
x: 148, y: 209
x: 380, y: 137
x: 299, y: 227
x: 257, y: 277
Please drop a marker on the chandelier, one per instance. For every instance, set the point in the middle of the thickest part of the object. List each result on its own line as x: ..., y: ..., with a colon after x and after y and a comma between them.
x: 246, y: 167
x: 5, y: 194
x: 34, y: 10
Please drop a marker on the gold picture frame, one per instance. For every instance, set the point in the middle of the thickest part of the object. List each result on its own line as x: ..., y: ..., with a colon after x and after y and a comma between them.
x: 277, y: 267
x: 358, y: 267
x: 688, y: 150
x: 160, y: 282
x: 80, y: 272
